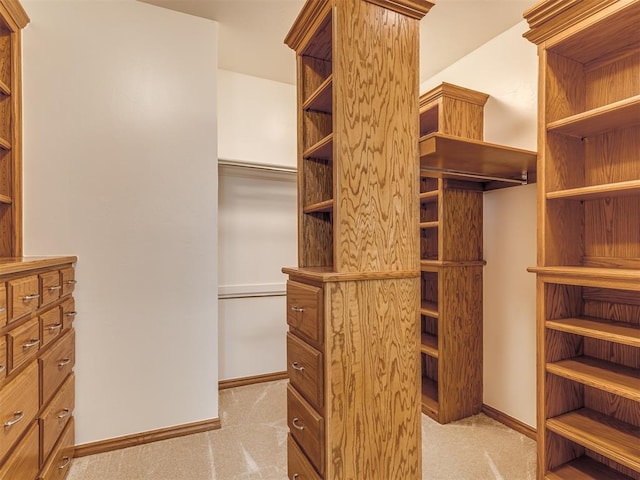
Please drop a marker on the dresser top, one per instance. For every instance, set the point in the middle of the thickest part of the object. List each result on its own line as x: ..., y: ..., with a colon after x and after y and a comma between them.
x: 10, y: 265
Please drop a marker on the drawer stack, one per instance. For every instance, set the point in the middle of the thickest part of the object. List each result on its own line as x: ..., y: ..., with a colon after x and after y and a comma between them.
x: 37, y: 355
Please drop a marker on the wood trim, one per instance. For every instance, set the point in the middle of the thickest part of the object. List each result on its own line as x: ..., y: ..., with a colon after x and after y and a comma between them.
x: 509, y: 421
x: 309, y: 18
x: 453, y: 91
x: 252, y: 380
x: 16, y: 153
x: 326, y: 274
x: 411, y: 8
x: 15, y: 15
x: 109, y: 445
x: 9, y: 265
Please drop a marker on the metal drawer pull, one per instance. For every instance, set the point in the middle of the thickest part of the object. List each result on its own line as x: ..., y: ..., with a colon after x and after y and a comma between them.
x: 31, y: 343
x: 296, y: 476
x: 57, y: 287
x: 33, y: 296
x: 297, y: 366
x: 296, y: 425
x: 64, y: 413
x: 71, y: 314
x: 19, y: 416
x: 295, y: 308
x: 71, y: 282
x: 66, y: 460
x: 63, y: 362
x: 57, y: 326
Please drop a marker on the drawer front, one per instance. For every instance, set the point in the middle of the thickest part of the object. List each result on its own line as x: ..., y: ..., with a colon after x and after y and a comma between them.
x: 23, y: 463
x: 50, y: 325
x: 24, y: 296
x: 18, y: 406
x: 3, y: 358
x: 24, y: 343
x: 68, y: 313
x: 56, y: 365
x: 68, y: 280
x: 59, y: 462
x: 307, y: 427
x: 304, y: 311
x: 304, y: 366
x: 50, y: 287
x: 56, y: 416
x: 3, y: 305
x: 298, y: 467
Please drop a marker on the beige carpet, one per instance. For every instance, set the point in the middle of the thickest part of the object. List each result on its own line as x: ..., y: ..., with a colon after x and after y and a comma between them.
x: 251, y: 446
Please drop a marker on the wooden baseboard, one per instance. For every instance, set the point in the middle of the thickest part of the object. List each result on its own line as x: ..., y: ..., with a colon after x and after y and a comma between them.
x: 111, y: 444
x: 510, y: 422
x: 241, y: 382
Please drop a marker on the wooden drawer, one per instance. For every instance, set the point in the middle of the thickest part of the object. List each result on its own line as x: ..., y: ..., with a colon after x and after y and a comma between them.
x: 50, y: 287
x: 68, y: 280
x: 3, y: 358
x: 3, y: 305
x: 307, y: 427
x: 56, y: 365
x: 24, y: 343
x: 18, y: 406
x: 56, y: 416
x: 68, y: 313
x: 57, y: 467
x: 23, y: 295
x: 23, y: 463
x: 305, y: 312
x: 298, y: 467
x: 304, y: 366
x: 50, y: 325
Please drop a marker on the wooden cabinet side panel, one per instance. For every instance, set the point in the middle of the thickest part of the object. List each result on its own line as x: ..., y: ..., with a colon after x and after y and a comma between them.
x: 372, y: 398
x: 375, y: 139
x: 461, y: 225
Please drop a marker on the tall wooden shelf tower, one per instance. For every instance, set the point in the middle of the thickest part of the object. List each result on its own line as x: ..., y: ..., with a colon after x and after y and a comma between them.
x: 588, y: 272
x: 353, y: 300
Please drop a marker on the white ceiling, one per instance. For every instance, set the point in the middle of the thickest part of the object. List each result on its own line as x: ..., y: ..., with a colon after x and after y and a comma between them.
x: 251, y: 32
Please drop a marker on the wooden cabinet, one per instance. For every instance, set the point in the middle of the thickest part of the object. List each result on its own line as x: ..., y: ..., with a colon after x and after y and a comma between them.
x: 352, y: 305
x: 588, y: 273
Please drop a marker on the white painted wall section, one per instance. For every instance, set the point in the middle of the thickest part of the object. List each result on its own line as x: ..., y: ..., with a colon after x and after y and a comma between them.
x: 120, y: 169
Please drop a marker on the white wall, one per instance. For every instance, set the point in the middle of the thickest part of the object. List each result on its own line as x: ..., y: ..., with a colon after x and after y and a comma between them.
x: 120, y: 169
x: 506, y: 69
x: 257, y: 222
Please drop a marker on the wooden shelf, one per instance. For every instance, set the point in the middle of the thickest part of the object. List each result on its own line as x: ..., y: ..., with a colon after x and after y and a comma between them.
x: 585, y: 468
x: 594, y: 192
x: 621, y: 114
x: 323, y: 150
x: 429, y: 345
x: 607, y: 376
x: 426, y: 197
x: 611, y: 438
x: 321, y: 100
x: 429, y: 224
x: 429, y: 397
x: 617, y: 332
x: 472, y: 160
x: 437, y: 265
x: 429, y: 308
x: 628, y: 279
x: 4, y: 89
x: 324, y: 206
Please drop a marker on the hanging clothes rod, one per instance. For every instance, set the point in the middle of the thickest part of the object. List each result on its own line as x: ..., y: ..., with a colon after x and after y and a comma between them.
x: 522, y: 180
x: 256, y: 166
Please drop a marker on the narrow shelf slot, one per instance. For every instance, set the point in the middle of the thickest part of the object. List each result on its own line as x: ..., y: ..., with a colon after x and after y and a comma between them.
x: 4, y: 88
x: 429, y: 224
x: 429, y: 345
x: 621, y: 114
x: 321, y: 100
x: 604, y: 435
x: 324, y: 206
x: 431, y: 196
x: 617, y: 332
x: 429, y: 308
x: 607, y: 376
x: 429, y: 396
x: 323, y: 150
x: 619, y: 189
x: 585, y: 468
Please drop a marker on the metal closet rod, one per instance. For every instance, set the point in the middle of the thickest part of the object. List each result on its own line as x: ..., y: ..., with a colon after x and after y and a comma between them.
x: 522, y: 180
x: 256, y: 166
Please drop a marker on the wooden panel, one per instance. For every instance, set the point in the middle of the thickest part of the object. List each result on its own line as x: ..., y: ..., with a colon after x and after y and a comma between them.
x: 23, y: 463
x: 68, y: 313
x: 305, y: 369
x: 18, y: 407
x: 68, y: 280
x: 373, y: 379
x: 315, y: 72
x: 56, y: 415
x: 316, y: 243
x: 55, y: 365
x: 59, y: 463
x: 3, y: 358
x: 559, y: 451
x: 561, y: 396
x: 376, y: 179
x: 23, y: 295
x: 461, y: 225
x: 618, y: 332
x: 462, y: 119
x: 318, y: 181
x: 3, y: 304
x: 50, y: 287
x: 564, y: 88
x: 305, y: 314
x: 50, y: 325
x: 298, y: 466
x: 307, y: 427
x: 613, y: 406
x: 613, y: 81
x: 24, y: 343
x: 585, y: 468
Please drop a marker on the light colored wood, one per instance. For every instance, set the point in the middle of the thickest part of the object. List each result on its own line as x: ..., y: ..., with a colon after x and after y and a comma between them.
x: 3, y: 305
x: 305, y: 314
x: 50, y: 287
x: 321, y: 99
x: 56, y: 416
x: 55, y: 365
x: 584, y: 468
x: 298, y: 465
x: 252, y: 380
x: 24, y: 295
x: 326, y: 274
x: 429, y: 345
x: 68, y: 313
x: 509, y: 421
x: 13, y: 14
x: 51, y: 325
x: 324, y: 206
x: 608, y: 190
x: 59, y: 462
x: 143, y: 438
x: 4, y: 366
x: 305, y: 367
x: 618, y: 332
x: 23, y: 464
x: 24, y: 343
x: 307, y: 428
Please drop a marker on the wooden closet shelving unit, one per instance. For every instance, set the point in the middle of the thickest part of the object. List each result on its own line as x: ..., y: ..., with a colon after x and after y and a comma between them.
x: 588, y: 272
x: 457, y: 167
x: 353, y: 301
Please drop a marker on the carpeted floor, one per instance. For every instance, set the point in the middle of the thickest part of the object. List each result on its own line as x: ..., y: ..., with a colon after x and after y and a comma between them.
x: 251, y: 445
